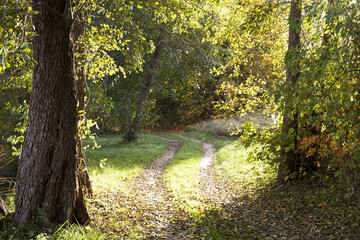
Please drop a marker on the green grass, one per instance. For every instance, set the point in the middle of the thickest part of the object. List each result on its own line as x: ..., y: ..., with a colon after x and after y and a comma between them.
x: 232, y: 159
x: 314, y: 208
x: 40, y: 228
x: 75, y: 232
x: 225, y: 127
x: 111, y: 208
x: 214, y: 220
x: 116, y: 161
x: 181, y: 175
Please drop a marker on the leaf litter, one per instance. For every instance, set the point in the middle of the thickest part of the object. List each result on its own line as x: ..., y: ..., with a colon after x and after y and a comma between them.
x: 144, y: 209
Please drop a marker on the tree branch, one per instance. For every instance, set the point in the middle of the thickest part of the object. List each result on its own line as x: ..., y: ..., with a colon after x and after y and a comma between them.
x: 78, y: 12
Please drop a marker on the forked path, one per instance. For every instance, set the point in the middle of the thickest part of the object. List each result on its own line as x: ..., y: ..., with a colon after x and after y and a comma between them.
x: 144, y: 209
x: 161, y: 215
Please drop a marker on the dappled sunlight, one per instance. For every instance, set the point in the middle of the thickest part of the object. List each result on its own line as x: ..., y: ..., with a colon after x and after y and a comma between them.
x: 233, y: 160
x: 82, y: 82
x: 142, y: 207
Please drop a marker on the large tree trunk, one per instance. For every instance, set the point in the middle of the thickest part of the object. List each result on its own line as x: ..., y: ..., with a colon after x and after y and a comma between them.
x: 47, y: 170
x: 288, y: 162
x: 132, y: 133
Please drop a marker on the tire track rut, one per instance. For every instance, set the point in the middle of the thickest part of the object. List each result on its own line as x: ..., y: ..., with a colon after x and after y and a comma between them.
x: 215, y: 188
x: 162, y: 217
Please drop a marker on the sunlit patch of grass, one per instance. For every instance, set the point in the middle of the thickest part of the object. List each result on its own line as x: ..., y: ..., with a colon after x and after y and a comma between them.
x: 74, y: 232
x: 233, y: 160
x: 111, y: 208
x: 314, y: 207
x: 116, y: 161
x: 220, y: 221
x: 204, y: 136
x: 181, y: 175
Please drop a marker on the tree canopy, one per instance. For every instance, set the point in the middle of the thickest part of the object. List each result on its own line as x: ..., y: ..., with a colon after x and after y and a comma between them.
x: 142, y: 65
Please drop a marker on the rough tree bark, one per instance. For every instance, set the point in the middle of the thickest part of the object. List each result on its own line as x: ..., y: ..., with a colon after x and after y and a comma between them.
x: 132, y: 133
x: 47, y: 174
x: 288, y: 162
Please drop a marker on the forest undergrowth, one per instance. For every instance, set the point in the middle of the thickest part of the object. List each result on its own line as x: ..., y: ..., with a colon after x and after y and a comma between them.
x: 246, y: 204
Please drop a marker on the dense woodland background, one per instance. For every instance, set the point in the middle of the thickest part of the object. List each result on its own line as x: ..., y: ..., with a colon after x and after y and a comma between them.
x: 125, y: 67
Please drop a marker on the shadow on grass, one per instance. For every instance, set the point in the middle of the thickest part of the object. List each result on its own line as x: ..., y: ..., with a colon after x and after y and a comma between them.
x: 298, y: 210
x: 313, y: 208
x: 124, y: 159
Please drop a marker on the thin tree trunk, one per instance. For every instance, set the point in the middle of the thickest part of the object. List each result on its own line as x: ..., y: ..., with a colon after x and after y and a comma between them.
x: 288, y: 162
x: 132, y: 133
x: 47, y: 170
x: 3, y: 208
x: 80, y: 86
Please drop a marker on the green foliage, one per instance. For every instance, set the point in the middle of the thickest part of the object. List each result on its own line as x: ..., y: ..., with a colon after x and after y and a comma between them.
x: 325, y: 96
x: 324, y: 100
x: 15, y: 46
x: 15, y: 71
x: 252, y: 43
x: 17, y: 139
x: 183, y: 85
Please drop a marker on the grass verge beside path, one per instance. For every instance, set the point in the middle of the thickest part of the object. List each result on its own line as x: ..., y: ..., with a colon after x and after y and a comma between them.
x: 181, y: 175
x: 231, y: 160
x: 112, y: 210
x: 315, y: 207
x: 117, y: 162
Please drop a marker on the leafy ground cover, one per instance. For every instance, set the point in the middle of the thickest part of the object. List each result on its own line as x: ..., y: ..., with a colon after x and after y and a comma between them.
x: 246, y: 205
x: 317, y: 207
x: 111, y: 168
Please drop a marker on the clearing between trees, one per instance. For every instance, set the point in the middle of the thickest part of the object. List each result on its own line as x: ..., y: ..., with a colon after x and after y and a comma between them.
x: 185, y: 194
x: 198, y: 186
